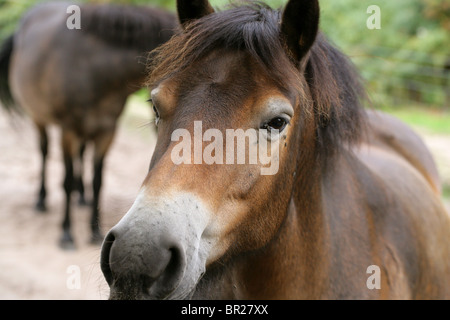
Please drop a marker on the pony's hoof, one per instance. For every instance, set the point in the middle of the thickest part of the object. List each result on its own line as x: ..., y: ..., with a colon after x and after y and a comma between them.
x: 97, y: 238
x: 40, y: 207
x: 66, y: 242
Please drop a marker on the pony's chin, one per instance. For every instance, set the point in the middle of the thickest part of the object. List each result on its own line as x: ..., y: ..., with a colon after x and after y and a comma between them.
x: 116, y: 294
x: 132, y: 290
x: 183, y: 295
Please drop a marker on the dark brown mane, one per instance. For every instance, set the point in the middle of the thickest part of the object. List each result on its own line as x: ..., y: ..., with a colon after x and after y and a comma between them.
x: 128, y: 26
x: 334, y: 88
x: 338, y: 95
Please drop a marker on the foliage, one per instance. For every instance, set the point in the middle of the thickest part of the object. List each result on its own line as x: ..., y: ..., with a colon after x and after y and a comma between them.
x: 404, y: 60
x: 10, y: 13
x: 438, y: 10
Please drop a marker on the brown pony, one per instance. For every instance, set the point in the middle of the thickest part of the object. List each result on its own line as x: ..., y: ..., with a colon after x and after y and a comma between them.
x: 79, y: 79
x: 353, y: 211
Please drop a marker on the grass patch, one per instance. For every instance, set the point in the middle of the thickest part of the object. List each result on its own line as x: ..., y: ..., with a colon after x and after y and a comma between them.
x: 446, y: 191
x: 435, y: 121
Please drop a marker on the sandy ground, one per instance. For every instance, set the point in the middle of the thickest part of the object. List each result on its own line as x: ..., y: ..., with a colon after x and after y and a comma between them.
x: 31, y: 264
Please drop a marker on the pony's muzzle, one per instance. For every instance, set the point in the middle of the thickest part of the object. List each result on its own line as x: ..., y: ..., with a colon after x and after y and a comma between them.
x: 149, y: 266
x: 159, y: 249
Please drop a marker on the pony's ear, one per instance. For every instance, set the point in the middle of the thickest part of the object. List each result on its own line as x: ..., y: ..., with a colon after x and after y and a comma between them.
x: 299, y: 26
x: 192, y: 9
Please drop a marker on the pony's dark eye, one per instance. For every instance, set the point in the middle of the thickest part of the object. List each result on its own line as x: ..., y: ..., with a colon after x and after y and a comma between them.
x: 277, y: 123
x: 155, y: 110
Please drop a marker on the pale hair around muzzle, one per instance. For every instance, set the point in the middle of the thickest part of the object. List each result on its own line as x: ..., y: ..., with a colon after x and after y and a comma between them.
x: 159, y: 249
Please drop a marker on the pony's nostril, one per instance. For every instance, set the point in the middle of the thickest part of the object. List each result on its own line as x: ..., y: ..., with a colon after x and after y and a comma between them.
x: 175, y: 260
x: 171, y: 275
x: 105, y: 257
x: 175, y: 268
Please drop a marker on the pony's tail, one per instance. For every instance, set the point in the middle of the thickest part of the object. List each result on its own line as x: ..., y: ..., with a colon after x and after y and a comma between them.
x: 6, y: 98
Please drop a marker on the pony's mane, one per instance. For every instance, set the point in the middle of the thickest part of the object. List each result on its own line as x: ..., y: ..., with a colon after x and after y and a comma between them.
x: 330, y: 85
x: 137, y: 27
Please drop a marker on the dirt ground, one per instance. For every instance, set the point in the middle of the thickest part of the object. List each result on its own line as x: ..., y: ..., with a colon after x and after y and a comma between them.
x: 31, y: 264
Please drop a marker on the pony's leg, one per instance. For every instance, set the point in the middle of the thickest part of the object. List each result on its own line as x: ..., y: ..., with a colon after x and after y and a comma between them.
x: 70, y: 146
x: 79, y: 175
x: 102, y: 144
x: 43, y: 141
